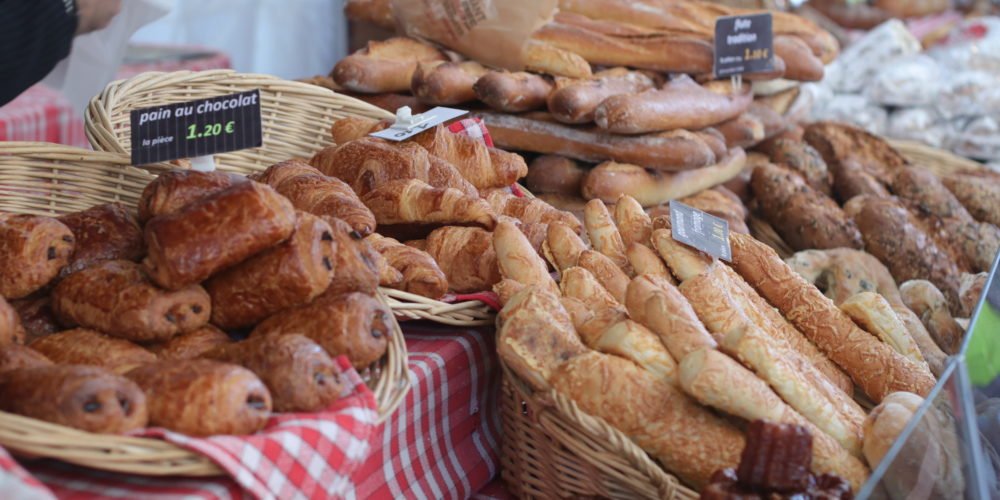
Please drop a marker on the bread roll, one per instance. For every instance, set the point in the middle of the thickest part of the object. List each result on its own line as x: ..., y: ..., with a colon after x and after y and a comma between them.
x: 414, y: 202
x: 199, y: 397
x: 466, y: 256
x: 14, y: 356
x: 680, y: 104
x: 87, y: 398
x: 290, y: 274
x: 981, y: 199
x: 607, y: 273
x: 743, y: 131
x: 873, y: 366
x: 512, y: 92
x: 421, y: 274
x: 580, y: 284
x: 647, y: 261
x: 542, y: 57
x: 801, y: 65
x: 540, y: 133
x: 103, y: 232
x: 555, y: 174
x: 216, y: 233
x: 804, y: 160
x: 610, y: 180
x: 685, y: 263
x: 353, y: 324
x: 563, y: 247
x: 718, y: 381
x: 518, y: 260
x: 192, y: 344
x: 671, y: 317
x: 11, y: 331
x: 874, y: 314
x: 929, y: 304
x: 634, y: 342
x: 172, y: 191
x: 356, y: 262
x: 299, y: 374
x: 604, y: 235
x: 33, y: 249
x: 575, y: 101
x: 384, y: 66
x: 87, y: 347
x: 446, y: 83
x: 117, y: 298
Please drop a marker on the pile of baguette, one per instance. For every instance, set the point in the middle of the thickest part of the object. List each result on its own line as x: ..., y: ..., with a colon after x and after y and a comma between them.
x: 678, y: 351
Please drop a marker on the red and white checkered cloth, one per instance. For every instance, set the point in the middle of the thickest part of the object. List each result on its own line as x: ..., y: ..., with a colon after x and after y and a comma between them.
x: 442, y: 443
x: 211, y: 60
x: 42, y: 114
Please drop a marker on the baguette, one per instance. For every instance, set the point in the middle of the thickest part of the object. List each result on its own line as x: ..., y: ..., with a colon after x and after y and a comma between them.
x: 539, y: 133
x: 610, y: 180
x: 612, y: 44
x: 604, y: 235
x: 744, y: 131
x: 634, y: 342
x: 684, y: 262
x: 800, y: 62
x: 669, y: 315
x: 446, y: 83
x: 580, y: 284
x: 680, y: 104
x: 512, y: 92
x: 874, y: 366
x: 541, y: 57
x: 385, y: 66
x: 633, y: 222
x: 576, y: 101
x: 718, y: 381
x: 874, y: 314
x: 646, y: 261
x: 610, y: 275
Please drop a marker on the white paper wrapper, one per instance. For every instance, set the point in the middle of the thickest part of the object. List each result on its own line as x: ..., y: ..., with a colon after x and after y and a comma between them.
x: 855, y: 109
x: 912, y: 81
x: 859, y: 63
x: 95, y: 57
x: 918, y: 124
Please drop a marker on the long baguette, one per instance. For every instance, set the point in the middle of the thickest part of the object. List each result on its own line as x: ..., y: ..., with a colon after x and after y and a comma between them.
x: 541, y: 57
x: 385, y: 66
x: 446, y: 83
x: 680, y: 104
x: 875, y: 367
x: 512, y: 92
x: 610, y: 180
x: 718, y: 381
x: 539, y: 133
x: 577, y: 100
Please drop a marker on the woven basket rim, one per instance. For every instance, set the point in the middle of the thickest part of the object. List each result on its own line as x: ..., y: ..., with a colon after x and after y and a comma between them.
x: 597, y: 429
x: 121, y: 453
x: 410, y: 306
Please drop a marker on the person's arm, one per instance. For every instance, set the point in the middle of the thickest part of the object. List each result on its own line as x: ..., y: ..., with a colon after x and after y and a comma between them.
x: 34, y: 36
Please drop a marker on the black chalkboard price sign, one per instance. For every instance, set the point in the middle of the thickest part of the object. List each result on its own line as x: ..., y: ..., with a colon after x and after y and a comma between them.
x: 744, y: 44
x: 196, y: 128
x: 701, y: 230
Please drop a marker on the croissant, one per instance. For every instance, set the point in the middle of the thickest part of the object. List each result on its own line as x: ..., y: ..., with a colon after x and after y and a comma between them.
x: 290, y: 274
x: 356, y: 265
x: 11, y: 331
x: 32, y: 251
x: 413, y: 202
x: 529, y: 210
x: 83, y: 397
x: 200, y: 397
x: 117, y: 298
x: 87, y: 347
x: 311, y: 191
x: 421, y: 274
x: 299, y: 374
x: 355, y: 127
x: 367, y: 163
x: 518, y: 260
x: 466, y: 256
x: 483, y: 166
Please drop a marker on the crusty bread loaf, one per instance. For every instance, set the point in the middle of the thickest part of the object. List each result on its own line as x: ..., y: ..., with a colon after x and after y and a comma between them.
x: 512, y: 92
x: 575, y: 101
x: 930, y: 305
x: 539, y: 133
x: 669, y: 315
x: 873, y: 366
x: 743, y: 131
x: 542, y: 57
x: 718, y: 381
x: 610, y: 180
x: 446, y: 83
x: 680, y: 104
x: 555, y: 174
x: 604, y: 234
x: 562, y: 246
x: 800, y: 62
x: 384, y: 66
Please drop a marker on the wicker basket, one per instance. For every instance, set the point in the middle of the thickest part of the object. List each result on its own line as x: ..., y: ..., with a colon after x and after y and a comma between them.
x: 939, y: 161
x: 50, y: 179
x: 295, y: 116
x: 414, y: 307
x: 552, y: 449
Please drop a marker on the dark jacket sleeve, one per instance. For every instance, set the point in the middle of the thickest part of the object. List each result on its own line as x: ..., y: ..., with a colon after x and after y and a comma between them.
x: 34, y: 36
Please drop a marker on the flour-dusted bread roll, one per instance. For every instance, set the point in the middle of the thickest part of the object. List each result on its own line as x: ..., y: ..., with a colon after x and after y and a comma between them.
x: 87, y: 398
x: 117, y: 298
x: 353, y: 324
x: 103, y: 232
x: 33, y: 249
x: 300, y: 375
x: 290, y: 274
x: 215, y: 233
x: 87, y: 347
x: 202, y: 398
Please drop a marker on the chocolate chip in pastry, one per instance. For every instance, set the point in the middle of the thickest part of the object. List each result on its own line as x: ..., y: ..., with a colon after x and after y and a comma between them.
x: 33, y: 249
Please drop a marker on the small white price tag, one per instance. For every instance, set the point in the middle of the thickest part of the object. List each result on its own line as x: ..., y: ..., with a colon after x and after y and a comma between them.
x: 408, y: 125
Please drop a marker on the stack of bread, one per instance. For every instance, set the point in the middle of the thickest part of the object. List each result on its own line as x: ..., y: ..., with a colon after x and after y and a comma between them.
x: 661, y: 341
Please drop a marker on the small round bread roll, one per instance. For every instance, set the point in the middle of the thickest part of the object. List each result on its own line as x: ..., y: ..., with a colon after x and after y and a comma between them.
x: 298, y: 372
x: 200, y: 397
x: 353, y: 324
x: 88, y: 398
x: 88, y: 347
x: 32, y: 251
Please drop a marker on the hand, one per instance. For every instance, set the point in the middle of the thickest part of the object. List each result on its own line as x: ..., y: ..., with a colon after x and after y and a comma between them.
x: 93, y: 15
